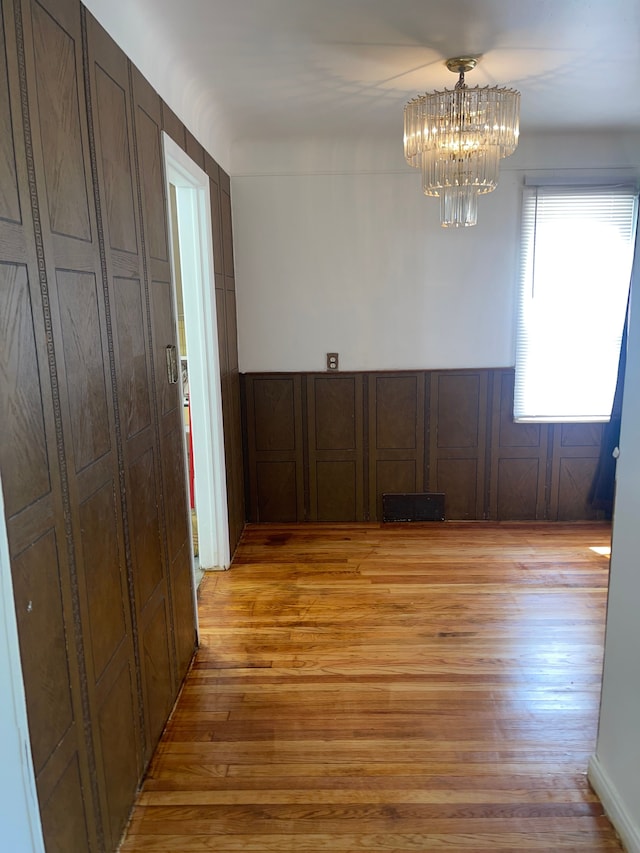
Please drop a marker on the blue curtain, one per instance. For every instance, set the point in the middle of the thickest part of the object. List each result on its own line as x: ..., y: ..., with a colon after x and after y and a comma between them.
x: 602, y: 492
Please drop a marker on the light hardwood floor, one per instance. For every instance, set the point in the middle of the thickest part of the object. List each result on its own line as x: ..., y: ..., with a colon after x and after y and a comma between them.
x: 389, y: 688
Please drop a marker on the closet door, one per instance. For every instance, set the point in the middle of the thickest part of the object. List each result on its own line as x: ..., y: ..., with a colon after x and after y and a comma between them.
x: 118, y: 212
x: 147, y: 123
x: 83, y: 389
x: 85, y: 360
x: 91, y: 454
x: 33, y: 458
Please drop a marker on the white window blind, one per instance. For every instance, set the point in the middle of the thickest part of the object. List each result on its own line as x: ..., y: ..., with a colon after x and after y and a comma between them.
x: 577, y: 252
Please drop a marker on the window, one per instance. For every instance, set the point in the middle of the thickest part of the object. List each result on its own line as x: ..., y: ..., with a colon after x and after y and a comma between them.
x: 577, y: 253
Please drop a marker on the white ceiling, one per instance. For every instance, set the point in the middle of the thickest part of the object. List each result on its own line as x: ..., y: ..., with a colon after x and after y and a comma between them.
x: 274, y: 68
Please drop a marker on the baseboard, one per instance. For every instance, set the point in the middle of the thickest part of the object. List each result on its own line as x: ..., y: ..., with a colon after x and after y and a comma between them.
x: 627, y: 829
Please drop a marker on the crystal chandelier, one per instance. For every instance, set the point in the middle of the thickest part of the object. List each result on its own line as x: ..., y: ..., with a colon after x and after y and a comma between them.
x: 456, y: 138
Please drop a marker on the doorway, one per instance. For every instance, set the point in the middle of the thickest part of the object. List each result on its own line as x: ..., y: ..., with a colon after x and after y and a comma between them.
x: 197, y: 333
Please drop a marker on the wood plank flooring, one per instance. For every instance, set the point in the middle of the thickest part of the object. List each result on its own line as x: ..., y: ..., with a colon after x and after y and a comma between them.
x: 389, y: 688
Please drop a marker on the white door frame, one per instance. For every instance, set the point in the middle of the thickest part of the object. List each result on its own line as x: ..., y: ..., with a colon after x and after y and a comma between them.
x: 201, y: 329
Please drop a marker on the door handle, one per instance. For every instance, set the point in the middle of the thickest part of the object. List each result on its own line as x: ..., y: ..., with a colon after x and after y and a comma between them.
x: 172, y: 364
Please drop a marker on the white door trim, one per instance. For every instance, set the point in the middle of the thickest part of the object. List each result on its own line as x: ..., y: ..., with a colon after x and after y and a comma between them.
x: 196, y: 259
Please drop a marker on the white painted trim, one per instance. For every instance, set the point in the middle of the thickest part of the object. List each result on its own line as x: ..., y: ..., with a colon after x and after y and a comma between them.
x: 19, y: 810
x: 196, y: 258
x: 623, y: 823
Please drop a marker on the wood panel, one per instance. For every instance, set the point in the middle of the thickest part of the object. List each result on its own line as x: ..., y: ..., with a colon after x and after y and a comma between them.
x: 147, y: 124
x: 275, y: 447
x: 335, y: 489
x: 428, y: 687
x: 156, y: 651
x: 58, y: 102
x: 63, y: 817
x: 438, y: 431
x: 10, y: 208
x: 112, y: 130
x: 63, y: 173
x: 576, y: 448
x: 106, y: 593
x: 40, y: 612
x: 396, y: 436
x: 194, y: 149
x: 221, y: 322
x: 335, y: 429
x: 132, y: 355
x: 127, y: 288
x: 276, y: 491
x: 213, y: 171
x: 121, y: 764
x: 23, y: 451
x: 36, y: 493
x: 231, y: 330
x: 148, y: 557
x: 458, y: 441
x: 172, y: 125
x: 274, y: 403
x: 227, y: 231
x: 459, y: 480
x: 183, y: 609
x: 234, y: 458
x: 517, y: 489
x: 83, y: 349
x: 91, y: 457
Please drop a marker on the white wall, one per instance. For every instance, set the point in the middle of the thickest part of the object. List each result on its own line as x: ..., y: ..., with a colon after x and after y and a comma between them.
x: 615, y: 769
x: 337, y: 250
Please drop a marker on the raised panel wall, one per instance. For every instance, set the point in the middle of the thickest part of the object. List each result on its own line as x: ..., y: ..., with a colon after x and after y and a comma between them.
x: 518, y: 465
x: 10, y: 209
x: 40, y: 612
x: 63, y: 174
x: 276, y: 464
x: 395, y: 436
x: 367, y: 434
x: 334, y: 441
x: 126, y: 281
x: 23, y: 451
x: 91, y: 453
x: 575, y: 449
x: 458, y: 435
x: 36, y: 495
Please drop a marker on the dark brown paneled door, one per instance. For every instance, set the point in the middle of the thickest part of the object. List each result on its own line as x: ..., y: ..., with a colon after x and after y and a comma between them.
x: 118, y: 212
x: 32, y: 449
x: 147, y: 122
x: 91, y: 451
x: 86, y: 423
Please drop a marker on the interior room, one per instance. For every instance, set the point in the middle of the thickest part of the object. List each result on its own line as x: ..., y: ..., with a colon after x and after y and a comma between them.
x: 229, y: 305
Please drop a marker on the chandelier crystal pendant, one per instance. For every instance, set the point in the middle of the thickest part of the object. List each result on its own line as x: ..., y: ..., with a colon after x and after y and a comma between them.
x: 457, y: 138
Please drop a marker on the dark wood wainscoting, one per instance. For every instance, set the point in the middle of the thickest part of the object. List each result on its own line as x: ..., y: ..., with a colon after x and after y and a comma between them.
x: 326, y: 447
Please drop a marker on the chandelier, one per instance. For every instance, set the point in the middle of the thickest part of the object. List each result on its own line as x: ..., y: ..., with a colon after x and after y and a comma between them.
x: 457, y: 137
